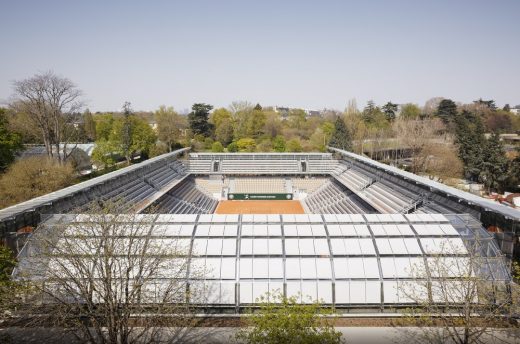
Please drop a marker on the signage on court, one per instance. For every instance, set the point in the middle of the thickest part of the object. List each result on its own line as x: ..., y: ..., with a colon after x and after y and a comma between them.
x: 260, y: 196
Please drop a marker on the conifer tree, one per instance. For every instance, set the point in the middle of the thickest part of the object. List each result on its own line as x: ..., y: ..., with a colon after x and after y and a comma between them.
x: 341, y: 137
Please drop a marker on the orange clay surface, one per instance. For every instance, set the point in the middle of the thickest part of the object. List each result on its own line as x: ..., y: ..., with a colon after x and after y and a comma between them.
x: 259, y: 207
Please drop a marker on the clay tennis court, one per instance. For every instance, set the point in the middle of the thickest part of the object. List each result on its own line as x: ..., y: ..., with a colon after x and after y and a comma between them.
x: 259, y: 207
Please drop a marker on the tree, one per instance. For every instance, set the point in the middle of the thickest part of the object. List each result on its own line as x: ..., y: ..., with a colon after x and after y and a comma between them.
x: 294, y: 145
x: 224, y: 131
x: 494, y: 165
x: 31, y: 177
x: 410, y: 111
x: 168, y: 126
x: 279, y: 144
x: 441, y: 162
x: 104, y: 153
x: 198, y: 119
x: 89, y: 126
x: 490, y: 104
x: 507, y: 108
x: 257, y: 107
x: 124, y: 132
x: 49, y: 101
x: 390, y: 109
x: 341, y: 137
x: 470, y: 139
x: 447, y: 110
x: 232, y: 147
x: 456, y: 299
x: 283, y: 320
x: 217, y: 147
x: 10, y: 142
x: 417, y: 135
x: 114, y: 278
x: 104, y: 124
x: 246, y: 145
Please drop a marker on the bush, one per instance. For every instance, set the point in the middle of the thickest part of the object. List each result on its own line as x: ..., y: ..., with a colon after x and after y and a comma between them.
x: 246, y: 145
x: 217, y: 147
x: 285, y: 320
x: 232, y: 147
x: 32, y: 177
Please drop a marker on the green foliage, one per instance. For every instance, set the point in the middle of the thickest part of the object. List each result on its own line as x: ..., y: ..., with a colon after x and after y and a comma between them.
x: 390, y: 109
x: 279, y: 144
x: 447, y: 110
x: 198, y: 119
x: 282, y: 320
x: 341, y: 137
x: 495, y: 164
x: 224, y: 131
x: 294, y: 145
x: 217, y: 147
x: 373, y: 116
x: 10, y: 143
x: 168, y: 126
x: 104, y: 123
x: 246, y: 145
x: 410, y: 111
x: 232, y: 147
x: 470, y: 139
x: 7, y: 264
x: 89, y: 126
x: 105, y: 153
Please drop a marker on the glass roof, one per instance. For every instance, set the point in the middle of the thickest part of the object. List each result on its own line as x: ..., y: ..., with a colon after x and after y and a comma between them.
x: 343, y: 259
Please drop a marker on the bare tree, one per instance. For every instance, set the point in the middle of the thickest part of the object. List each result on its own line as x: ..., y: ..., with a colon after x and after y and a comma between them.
x: 113, y: 278
x: 462, y: 296
x: 416, y: 135
x: 49, y: 101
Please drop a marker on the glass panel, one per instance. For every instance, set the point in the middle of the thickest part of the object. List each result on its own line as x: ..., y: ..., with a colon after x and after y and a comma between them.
x: 291, y: 247
x: 274, y: 230
x: 259, y: 289
x: 199, y: 247
x: 260, y: 268
x: 322, y: 247
x: 227, y: 292
x: 402, y: 267
x: 449, y: 230
x: 348, y: 230
x: 398, y: 246
x: 290, y: 230
x: 229, y: 247
x: 304, y: 230
x: 306, y: 246
x: 405, y: 230
x: 260, y: 230
x: 342, y: 292
x: 412, y: 246
x: 323, y: 268
x: 246, y: 292
x: 388, y: 267
x: 378, y: 230
x: 362, y: 230
x: 260, y: 247
x: 214, y: 247
x: 230, y: 230
x: 391, y: 230
x: 292, y: 268
x: 318, y: 230
x: 246, y: 246
x: 356, y: 268
x: 340, y: 268
x: 309, y: 291
x: 352, y: 246
x: 373, y: 292
x: 246, y: 268
x: 247, y: 230
x: 309, y: 268
x: 275, y: 246
x: 325, y: 291
x: 334, y: 230
x: 383, y: 246
x: 294, y: 289
x: 338, y: 246
x: 357, y: 292
x: 367, y: 247
x: 202, y: 230
x: 275, y: 268
x: 390, y: 291
x: 228, y: 268
x: 216, y: 230
x: 213, y: 268
x: 197, y: 266
x: 371, y: 267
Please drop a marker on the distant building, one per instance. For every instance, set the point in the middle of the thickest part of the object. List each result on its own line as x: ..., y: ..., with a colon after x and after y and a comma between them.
x: 515, y: 110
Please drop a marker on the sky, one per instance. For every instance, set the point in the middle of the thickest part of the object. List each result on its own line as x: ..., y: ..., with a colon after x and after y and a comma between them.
x: 307, y: 54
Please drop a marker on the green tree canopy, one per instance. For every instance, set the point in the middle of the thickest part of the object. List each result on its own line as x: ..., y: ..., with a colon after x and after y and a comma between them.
x: 246, y: 145
x: 217, y: 147
x: 279, y: 144
x: 390, y: 109
x: 284, y: 320
x: 198, y: 119
x: 10, y: 142
x: 224, y: 131
x: 410, y: 111
x: 341, y: 137
x: 89, y: 126
x: 471, y: 142
x: 495, y: 164
x: 168, y: 126
x: 294, y: 145
x: 447, y: 110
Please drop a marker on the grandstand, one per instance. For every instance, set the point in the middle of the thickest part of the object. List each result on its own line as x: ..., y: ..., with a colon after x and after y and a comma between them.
x: 356, y: 224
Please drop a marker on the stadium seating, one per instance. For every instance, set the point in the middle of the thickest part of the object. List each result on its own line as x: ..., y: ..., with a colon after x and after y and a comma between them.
x: 185, y: 199
x: 259, y: 185
x: 308, y: 185
x: 331, y: 199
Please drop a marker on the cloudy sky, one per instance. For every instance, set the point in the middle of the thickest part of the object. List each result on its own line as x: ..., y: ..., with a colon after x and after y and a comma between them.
x: 310, y: 54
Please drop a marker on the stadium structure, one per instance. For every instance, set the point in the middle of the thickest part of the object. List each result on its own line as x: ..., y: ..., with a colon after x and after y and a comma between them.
x: 335, y: 226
